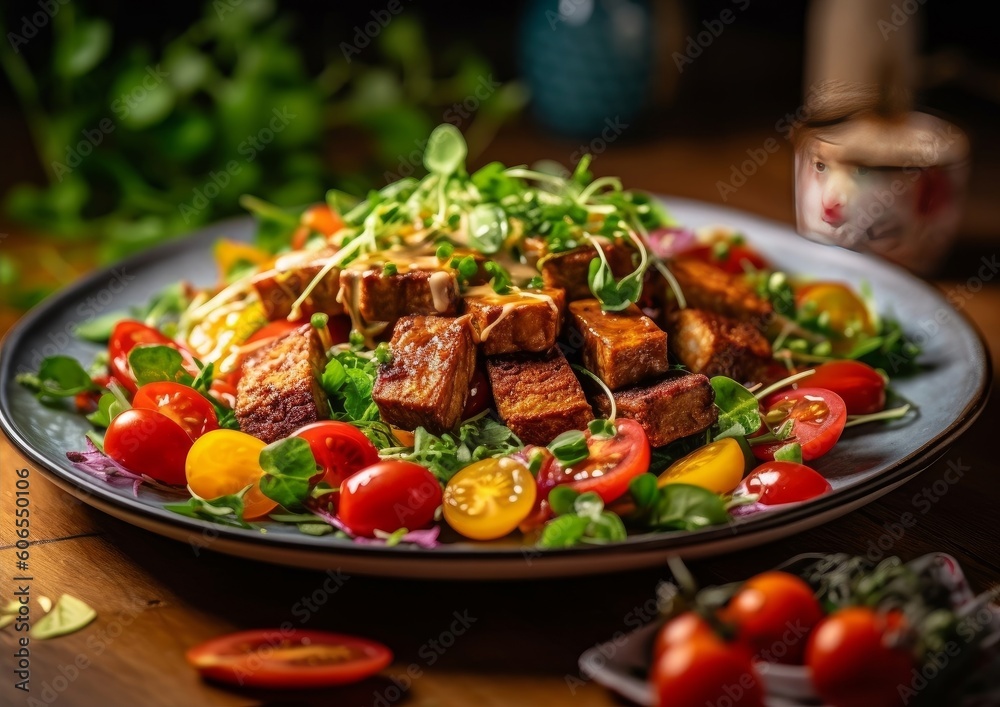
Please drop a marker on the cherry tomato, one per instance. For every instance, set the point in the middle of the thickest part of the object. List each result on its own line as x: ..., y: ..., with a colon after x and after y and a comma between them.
x: 846, y: 315
x: 774, y: 614
x: 388, y: 496
x: 611, y: 465
x: 224, y: 462
x: 488, y: 499
x: 480, y: 396
x: 783, y: 482
x: 717, y: 467
x: 322, y: 219
x: 340, y: 448
x: 852, y: 661
x: 288, y: 658
x: 126, y: 336
x: 182, y: 404
x: 860, y: 386
x: 731, y: 258
x: 818, y: 417
x: 686, y: 627
x: 146, y: 442
x: 704, y: 670
x: 88, y: 401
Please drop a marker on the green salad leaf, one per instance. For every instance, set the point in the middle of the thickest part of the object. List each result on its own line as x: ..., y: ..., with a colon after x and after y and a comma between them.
x: 58, y: 377
x: 739, y: 410
x: 289, y: 466
x: 151, y: 364
x: 580, y: 518
x: 224, y: 510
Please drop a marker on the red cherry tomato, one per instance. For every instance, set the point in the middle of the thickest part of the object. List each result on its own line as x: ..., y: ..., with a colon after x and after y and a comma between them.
x: 783, y: 482
x: 223, y: 392
x: 704, y: 670
x: 859, y: 385
x: 818, y: 416
x: 852, y: 661
x: 480, y: 396
x: 686, y: 627
x: 774, y: 614
x: 388, y: 496
x: 126, y: 336
x: 146, y: 442
x: 729, y: 259
x: 340, y: 448
x: 182, y: 404
x: 609, y: 468
x: 288, y: 658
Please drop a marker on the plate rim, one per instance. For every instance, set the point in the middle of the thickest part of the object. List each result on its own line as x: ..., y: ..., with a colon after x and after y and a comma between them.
x: 913, y: 463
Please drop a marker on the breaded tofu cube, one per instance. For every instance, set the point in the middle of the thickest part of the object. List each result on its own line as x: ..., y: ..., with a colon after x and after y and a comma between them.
x: 279, y: 390
x: 707, y: 287
x: 717, y: 346
x: 386, y: 298
x: 427, y: 381
x: 621, y: 348
x: 284, y: 283
x: 569, y: 270
x: 537, y: 395
x: 668, y: 410
x: 528, y: 320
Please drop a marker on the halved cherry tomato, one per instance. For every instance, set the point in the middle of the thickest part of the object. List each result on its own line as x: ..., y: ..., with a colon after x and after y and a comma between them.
x: 388, y: 496
x: 182, y: 404
x: 126, y: 336
x: 705, y: 670
x: 146, y: 442
x: 486, y: 500
x: 852, y: 662
x: 818, y: 417
x: 731, y: 258
x: 775, y: 483
x: 289, y: 658
x: 611, y: 465
x: 774, y: 613
x: 860, y: 386
x: 224, y: 462
x: 846, y: 314
x: 480, y: 396
x: 340, y: 448
x: 717, y: 467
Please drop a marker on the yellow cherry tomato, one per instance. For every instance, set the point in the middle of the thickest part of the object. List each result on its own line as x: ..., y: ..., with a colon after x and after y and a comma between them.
x: 223, y: 462
x: 717, y: 467
x: 488, y: 499
x: 840, y: 309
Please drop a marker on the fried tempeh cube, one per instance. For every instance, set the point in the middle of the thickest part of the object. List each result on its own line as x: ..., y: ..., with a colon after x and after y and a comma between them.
x: 519, y: 321
x: 382, y: 297
x: 668, y: 410
x: 284, y: 283
x: 717, y: 346
x: 621, y: 348
x: 707, y: 287
x: 427, y: 381
x: 569, y: 269
x: 279, y: 391
x: 537, y: 395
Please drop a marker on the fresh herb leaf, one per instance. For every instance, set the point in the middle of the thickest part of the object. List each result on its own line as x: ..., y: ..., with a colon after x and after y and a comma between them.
x: 686, y: 507
x: 98, y: 330
x: 151, y: 364
x: 224, y: 510
x: 584, y: 521
x: 644, y: 491
x: 789, y: 453
x: 446, y: 150
x: 110, y: 406
x: 288, y: 466
x: 487, y: 228
x: 58, y: 377
x: 739, y: 411
x: 570, y: 447
x: 561, y: 500
x: 563, y: 531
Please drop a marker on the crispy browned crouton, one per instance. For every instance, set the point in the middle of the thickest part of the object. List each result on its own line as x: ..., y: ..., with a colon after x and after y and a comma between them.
x: 279, y: 391
x: 520, y: 321
x: 707, y: 287
x: 570, y: 268
x: 675, y: 407
x: 537, y: 395
x: 717, y: 346
x: 280, y: 286
x: 622, y: 348
x: 386, y: 298
x: 427, y: 381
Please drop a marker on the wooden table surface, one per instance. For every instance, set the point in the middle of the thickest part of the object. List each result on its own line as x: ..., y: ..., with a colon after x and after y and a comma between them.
x: 155, y: 597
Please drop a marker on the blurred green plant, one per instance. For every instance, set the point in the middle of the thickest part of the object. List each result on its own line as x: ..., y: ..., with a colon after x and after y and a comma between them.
x: 140, y: 144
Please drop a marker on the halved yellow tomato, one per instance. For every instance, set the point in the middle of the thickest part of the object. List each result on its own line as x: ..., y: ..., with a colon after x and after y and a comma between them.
x: 223, y: 462
x: 486, y: 500
x: 717, y: 467
x: 846, y: 313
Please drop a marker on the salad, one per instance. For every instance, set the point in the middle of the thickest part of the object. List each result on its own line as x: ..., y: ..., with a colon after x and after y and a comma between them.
x: 516, y: 351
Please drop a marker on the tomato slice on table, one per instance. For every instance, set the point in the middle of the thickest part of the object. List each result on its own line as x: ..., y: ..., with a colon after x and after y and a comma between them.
x: 340, y: 448
x: 126, y: 336
x: 388, y: 496
x: 860, y: 386
x: 486, y: 500
x: 224, y: 462
x: 717, y: 467
x: 147, y: 442
x: 289, y: 659
x: 612, y: 463
x: 182, y: 404
x: 775, y: 483
x: 818, y: 417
